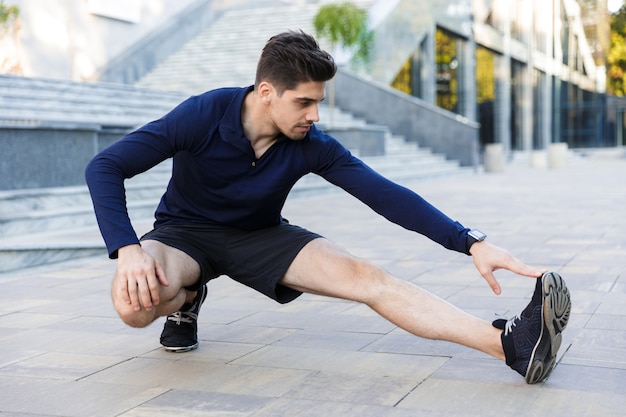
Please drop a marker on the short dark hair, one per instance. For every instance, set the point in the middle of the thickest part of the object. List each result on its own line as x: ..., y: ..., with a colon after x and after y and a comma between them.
x: 291, y: 58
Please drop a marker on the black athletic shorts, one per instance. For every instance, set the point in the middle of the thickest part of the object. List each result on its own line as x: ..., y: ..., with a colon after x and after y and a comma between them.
x: 256, y: 258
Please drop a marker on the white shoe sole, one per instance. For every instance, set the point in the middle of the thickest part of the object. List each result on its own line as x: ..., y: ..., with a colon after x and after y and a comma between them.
x: 556, y: 307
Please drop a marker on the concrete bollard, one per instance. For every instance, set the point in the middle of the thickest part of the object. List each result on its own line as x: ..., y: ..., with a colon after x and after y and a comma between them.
x: 494, y: 157
x: 557, y: 155
x: 538, y: 159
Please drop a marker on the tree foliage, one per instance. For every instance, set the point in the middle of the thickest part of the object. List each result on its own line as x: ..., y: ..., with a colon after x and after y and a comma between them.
x: 345, y: 24
x: 9, y: 25
x: 7, y: 15
x: 616, y: 60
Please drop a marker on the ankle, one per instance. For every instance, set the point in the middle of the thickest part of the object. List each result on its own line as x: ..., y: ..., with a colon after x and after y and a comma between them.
x: 190, y: 296
x: 498, y: 345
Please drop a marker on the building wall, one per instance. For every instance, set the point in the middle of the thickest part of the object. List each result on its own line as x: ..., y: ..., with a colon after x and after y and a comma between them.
x: 70, y: 39
x: 523, y: 68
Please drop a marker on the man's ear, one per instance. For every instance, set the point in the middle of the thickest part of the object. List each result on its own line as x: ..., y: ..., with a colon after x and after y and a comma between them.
x: 265, y: 91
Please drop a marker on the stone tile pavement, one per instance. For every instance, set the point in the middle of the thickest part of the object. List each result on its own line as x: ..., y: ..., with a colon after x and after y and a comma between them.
x: 63, y: 351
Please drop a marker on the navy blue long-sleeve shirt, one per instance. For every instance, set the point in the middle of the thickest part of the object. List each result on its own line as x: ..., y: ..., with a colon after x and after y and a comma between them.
x: 216, y: 178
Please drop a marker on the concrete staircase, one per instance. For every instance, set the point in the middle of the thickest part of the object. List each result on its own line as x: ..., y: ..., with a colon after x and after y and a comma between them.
x: 40, y: 101
x: 225, y: 54
x: 39, y: 226
x: 43, y: 225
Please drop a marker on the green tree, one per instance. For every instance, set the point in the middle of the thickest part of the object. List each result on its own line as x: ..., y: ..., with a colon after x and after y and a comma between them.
x: 345, y: 25
x: 616, y: 59
x: 9, y: 24
x: 8, y: 14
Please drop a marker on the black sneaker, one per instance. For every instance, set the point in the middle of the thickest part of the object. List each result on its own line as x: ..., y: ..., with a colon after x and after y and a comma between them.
x: 532, y: 339
x: 180, y: 333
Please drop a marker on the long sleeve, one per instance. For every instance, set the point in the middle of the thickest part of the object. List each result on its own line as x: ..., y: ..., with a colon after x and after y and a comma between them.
x: 106, y: 185
x: 133, y: 154
x: 396, y: 203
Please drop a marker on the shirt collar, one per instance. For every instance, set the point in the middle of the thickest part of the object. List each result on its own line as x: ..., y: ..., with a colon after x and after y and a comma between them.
x: 231, y: 126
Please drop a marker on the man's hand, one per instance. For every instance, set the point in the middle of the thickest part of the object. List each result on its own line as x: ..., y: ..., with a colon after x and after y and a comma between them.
x: 489, y: 258
x: 138, y: 278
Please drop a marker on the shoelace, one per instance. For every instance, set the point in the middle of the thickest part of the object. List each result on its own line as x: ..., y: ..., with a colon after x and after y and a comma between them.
x: 183, y: 316
x: 511, y: 323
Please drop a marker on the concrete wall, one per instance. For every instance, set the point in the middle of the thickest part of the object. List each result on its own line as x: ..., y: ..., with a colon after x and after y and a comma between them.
x: 65, y: 39
x: 49, y: 156
x: 362, y: 140
x: 417, y: 121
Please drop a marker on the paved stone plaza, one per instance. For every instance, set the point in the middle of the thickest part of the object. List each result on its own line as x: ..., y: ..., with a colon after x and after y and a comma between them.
x: 63, y: 351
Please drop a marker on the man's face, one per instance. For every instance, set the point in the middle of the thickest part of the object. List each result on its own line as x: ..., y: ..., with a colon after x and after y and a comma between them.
x: 295, y: 110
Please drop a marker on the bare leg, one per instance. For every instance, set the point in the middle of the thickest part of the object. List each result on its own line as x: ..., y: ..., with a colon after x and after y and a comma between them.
x: 325, y: 269
x: 181, y: 271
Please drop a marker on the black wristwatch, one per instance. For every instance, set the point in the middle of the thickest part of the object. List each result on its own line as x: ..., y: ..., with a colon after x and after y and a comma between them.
x: 473, y: 236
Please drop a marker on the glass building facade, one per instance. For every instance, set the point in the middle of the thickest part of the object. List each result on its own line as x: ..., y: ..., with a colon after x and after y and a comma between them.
x: 529, y: 71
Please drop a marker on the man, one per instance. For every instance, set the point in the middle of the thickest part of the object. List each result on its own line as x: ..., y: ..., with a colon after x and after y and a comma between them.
x: 236, y: 154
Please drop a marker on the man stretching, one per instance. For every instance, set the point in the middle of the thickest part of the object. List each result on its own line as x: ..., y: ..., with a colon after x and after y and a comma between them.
x: 237, y: 152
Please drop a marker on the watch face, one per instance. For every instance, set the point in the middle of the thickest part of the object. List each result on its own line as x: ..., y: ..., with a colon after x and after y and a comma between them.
x: 477, y: 234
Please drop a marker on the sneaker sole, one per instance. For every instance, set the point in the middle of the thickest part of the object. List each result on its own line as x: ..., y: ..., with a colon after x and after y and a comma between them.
x: 556, y: 306
x: 180, y: 349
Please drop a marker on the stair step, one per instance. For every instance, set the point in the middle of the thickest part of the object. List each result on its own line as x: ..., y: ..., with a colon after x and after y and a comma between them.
x: 44, y: 248
x: 24, y: 211
x: 30, y: 101
x: 70, y: 231
x: 29, y: 250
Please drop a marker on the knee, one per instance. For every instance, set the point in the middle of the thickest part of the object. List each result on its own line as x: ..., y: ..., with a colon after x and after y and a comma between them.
x: 373, y: 274
x: 372, y: 280
x: 141, y: 318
